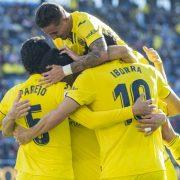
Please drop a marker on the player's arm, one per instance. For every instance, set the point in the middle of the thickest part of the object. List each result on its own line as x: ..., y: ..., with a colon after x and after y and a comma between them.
x: 8, y: 126
x: 102, y: 119
x: 68, y: 106
x: 166, y: 94
x: 83, y: 90
x: 100, y: 53
x: 82, y: 93
x: 2, y: 115
x: 18, y: 110
x: 96, y: 43
x: 154, y: 57
x: 174, y: 147
x: 173, y: 104
x: 122, y: 52
x: 4, y: 109
x: 48, y: 122
x: 173, y: 101
x: 93, y: 58
x: 172, y: 140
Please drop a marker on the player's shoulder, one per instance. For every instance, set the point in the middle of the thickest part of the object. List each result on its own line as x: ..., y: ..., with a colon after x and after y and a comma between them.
x: 98, y: 71
x: 85, y: 76
x: 12, y: 92
x: 80, y: 14
x: 146, y: 66
x: 15, y: 89
x: 58, y: 88
x: 80, y: 18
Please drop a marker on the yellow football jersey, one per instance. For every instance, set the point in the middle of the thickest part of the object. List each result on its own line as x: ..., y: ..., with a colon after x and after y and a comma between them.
x: 49, y: 154
x: 123, y: 150
x: 85, y: 152
x: 170, y: 170
x: 2, y: 115
x: 86, y: 29
x: 85, y: 148
x: 140, y: 57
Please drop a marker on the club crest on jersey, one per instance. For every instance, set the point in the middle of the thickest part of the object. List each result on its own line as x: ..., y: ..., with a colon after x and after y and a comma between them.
x: 81, y: 42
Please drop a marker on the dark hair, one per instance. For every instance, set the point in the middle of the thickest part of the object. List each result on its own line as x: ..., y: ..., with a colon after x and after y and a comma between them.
x: 48, y: 13
x: 32, y: 53
x: 53, y: 56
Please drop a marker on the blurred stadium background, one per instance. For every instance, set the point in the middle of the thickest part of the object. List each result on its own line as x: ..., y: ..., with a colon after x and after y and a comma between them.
x: 139, y: 22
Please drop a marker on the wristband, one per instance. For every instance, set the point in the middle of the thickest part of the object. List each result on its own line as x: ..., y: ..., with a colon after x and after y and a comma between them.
x: 67, y: 70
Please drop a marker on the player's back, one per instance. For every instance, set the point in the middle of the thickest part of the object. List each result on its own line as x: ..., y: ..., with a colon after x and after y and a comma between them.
x: 50, y: 153
x: 125, y: 151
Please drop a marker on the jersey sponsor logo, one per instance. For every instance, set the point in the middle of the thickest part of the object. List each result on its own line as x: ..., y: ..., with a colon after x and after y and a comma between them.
x: 92, y: 32
x: 2, y: 113
x: 82, y: 22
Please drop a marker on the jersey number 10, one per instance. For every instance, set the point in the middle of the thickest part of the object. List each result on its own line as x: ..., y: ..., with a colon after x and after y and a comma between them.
x: 121, y: 91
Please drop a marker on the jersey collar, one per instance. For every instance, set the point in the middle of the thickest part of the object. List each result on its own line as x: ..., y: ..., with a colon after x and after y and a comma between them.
x: 34, y: 77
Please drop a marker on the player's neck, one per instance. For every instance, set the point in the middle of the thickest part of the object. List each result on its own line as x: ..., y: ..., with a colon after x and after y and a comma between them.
x: 70, y: 23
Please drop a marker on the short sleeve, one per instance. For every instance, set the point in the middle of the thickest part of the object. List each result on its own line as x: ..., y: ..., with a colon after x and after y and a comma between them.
x: 83, y: 90
x: 4, y: 106
x: 90, y: 30
x: 163, y: 88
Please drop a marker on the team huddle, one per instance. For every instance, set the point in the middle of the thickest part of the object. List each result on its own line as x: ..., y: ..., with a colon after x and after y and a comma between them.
x: 92, y: 107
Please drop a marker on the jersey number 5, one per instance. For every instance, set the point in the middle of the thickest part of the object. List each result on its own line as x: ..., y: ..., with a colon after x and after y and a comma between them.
x: 44, y: 139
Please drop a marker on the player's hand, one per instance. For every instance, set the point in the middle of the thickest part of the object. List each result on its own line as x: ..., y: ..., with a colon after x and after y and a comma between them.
x: 54, y: 75
x: 70, y: 53
x: 22, y: 135
x: 150, y: 123
x: 19, y: 108
x: 142, y: 107
x: 152, y: 55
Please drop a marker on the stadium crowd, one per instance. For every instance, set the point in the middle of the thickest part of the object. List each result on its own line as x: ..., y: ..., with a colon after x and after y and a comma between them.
x: 155, y: 27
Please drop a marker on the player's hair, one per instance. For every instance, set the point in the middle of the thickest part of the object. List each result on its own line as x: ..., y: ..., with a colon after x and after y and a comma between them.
x: 32, y: 52
x: 53, y: 56
x: 48, y: 13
